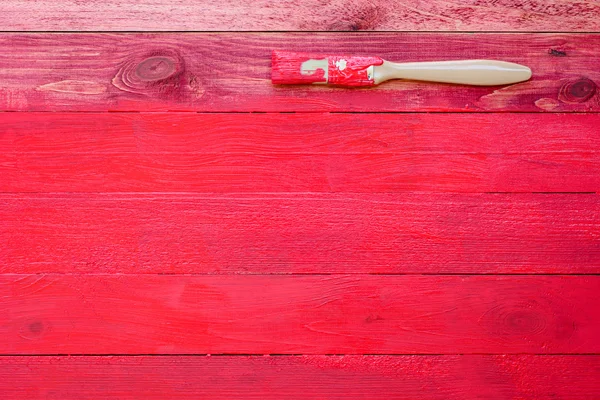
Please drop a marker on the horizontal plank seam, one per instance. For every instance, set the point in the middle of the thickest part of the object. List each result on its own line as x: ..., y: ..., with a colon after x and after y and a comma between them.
x: 291, y: 274
x: 292, y: 355
x: 332, y: 32
x: 266, y: 153
x: 245, y: 195
x: 187, y: 113
x: 474, y: 112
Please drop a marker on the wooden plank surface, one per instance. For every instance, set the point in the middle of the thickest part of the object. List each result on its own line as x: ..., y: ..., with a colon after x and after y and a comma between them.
x: 307, y: 377
x: 198, y: 253
x: 322, y: 152
x: 284, y: 134
x: 231, y: 72
x: 300, y: 233
x: 308, y: 15
x: 327, y: 314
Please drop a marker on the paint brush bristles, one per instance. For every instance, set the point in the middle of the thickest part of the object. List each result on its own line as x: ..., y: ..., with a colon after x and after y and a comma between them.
x: 301, y: 68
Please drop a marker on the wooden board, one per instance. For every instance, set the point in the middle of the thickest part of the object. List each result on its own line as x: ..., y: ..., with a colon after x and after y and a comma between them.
x: 172, y: 225
x: 231, y: 72
x: 283, y: 134
x: 308, y: 15
x: 299, y: 153
x: 369, y: 314
x: 299, y: 233
x: 302, y: 378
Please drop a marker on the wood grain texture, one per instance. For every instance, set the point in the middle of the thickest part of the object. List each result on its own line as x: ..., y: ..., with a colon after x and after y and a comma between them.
x: 300, y: 233
x: 311, y: 15
x: 231, y: 72
x: 284, y: 134
x: 327, y: 314
x: 307, y: 377
x: 162, y: 248
x: 184, y: 152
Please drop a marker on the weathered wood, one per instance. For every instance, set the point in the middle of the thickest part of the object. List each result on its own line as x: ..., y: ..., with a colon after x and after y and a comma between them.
x: 285, y: 134
x: 300, y: 233
x: 302, y: 378
x: 231, y: 72
x: 146, y: 234
x: 310, y: 15
x: 42, y: 152
x: 335, y: 314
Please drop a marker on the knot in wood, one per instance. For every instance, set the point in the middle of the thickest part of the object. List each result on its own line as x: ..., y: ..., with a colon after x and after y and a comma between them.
x: 158, y: 73
x: 525, y: 322
x: 521, y: 320
x: 32, y: 329
x: 156, y: 69
x: 578, y: 91
x: 357, y: 18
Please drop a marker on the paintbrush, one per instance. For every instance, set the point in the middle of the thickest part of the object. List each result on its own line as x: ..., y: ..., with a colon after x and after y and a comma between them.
x: 302, y: 68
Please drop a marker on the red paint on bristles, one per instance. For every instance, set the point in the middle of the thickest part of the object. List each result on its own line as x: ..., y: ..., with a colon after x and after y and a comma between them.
x: 287, y: 68
x: 342, y: 70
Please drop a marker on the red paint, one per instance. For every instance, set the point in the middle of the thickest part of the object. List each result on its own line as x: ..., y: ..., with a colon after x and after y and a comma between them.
x: 255, y: 173
x: 353, y: 70
x: 342, y: 70
x: 302, y: 378
x: 289, y: 134
x: 286, y: 68
x: 246, y: 314
x: 231, y: 72
x: 299, y: 233
x: 298, y: 153
x: 219, y: 233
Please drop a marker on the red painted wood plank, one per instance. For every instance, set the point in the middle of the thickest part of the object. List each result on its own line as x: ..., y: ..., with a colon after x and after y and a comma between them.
x: 327, y: 314
x: 253, y: 173
x: 307, y: 377
x: 231, y: 72
x: 319, y: 133
x: 43, y: 152
x: 300, y: 233
x: 310, y: 15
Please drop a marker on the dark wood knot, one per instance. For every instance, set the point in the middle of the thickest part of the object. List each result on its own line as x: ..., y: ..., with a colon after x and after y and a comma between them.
x: 557, y: 53
x: 524, y: 322
x: 160, y: 73
x: 528, y: 319
x: 33, y: 329
x: 373, y: 318
x: 357, y: 19
x: 517, y: 319
x: 578, y: 91
x: 156, y: 69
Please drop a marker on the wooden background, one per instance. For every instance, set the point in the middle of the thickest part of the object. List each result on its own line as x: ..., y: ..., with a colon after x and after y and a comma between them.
x: 173, y: 226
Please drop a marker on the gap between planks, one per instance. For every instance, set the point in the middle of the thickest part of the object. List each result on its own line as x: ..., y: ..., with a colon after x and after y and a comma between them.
x: 283, y: 355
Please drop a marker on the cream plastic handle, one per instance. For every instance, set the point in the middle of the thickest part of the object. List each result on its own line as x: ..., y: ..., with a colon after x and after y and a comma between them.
x: 465, y: 72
